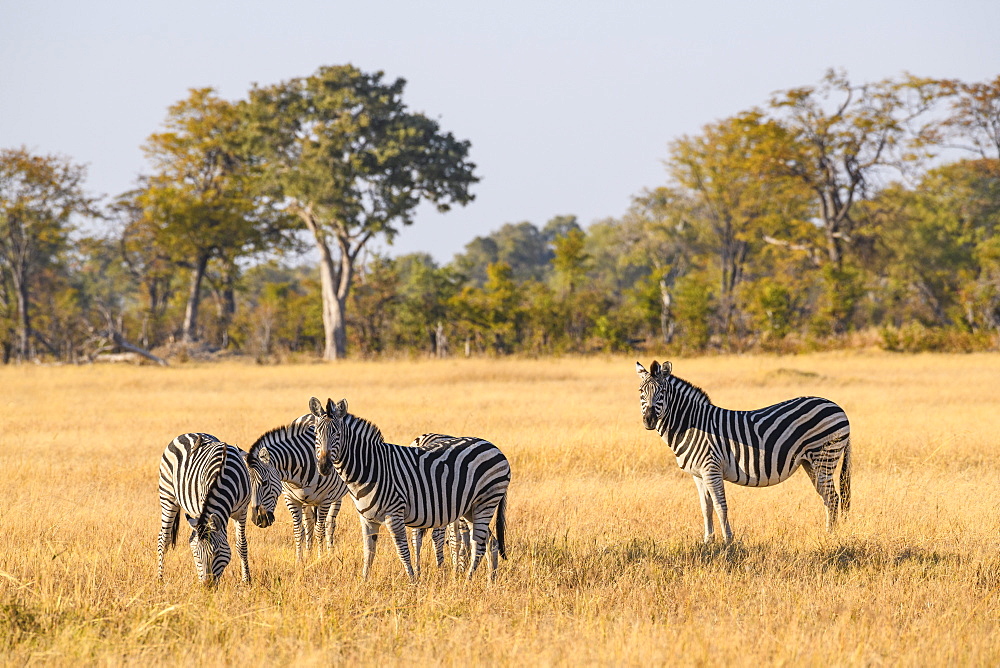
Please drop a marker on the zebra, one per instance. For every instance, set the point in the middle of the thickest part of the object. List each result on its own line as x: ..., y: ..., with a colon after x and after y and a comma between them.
x: 420, y: 487
x: 313, y: 499
x: 755, y: 448
x: 457, y: 536
x: 211, y: 481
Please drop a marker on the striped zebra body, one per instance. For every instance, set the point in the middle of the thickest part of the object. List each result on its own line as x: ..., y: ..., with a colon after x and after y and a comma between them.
x: 312, y: 499
x: 457, y: 534
x: 418, y: 487
x: 211, y: 481
x: 754, y: 448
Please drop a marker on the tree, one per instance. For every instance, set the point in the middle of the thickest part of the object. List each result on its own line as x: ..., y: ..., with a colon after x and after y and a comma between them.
x: 845, y: 137
x: 147, y: 261
x: 522, y: 246
x: 973, y: 123
x: 39, y: 196
x: 201, y: 202
x: 730, y: 191
x: 344, y: 154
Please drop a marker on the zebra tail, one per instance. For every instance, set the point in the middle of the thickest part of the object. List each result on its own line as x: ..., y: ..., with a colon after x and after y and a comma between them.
x: 845, y: 478
x: 172, y: 531
x: 501, y: 525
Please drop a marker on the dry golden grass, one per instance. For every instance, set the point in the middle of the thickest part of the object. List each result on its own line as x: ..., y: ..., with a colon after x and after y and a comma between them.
x: 605, y: 567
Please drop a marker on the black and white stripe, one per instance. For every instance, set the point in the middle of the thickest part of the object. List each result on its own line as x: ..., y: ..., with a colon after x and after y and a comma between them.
x: 457, y: 534
x: 313, y: 499
x: 211, y: 481
x: 418, y: 487
x: 756, y: 448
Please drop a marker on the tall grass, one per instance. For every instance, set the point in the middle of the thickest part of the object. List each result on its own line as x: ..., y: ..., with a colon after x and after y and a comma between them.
x: 606, y: 565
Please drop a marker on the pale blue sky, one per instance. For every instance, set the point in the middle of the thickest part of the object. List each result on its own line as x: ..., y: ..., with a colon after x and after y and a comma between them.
x: 569, y: 105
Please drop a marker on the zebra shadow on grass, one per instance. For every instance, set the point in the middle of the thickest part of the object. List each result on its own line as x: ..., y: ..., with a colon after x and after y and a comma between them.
x: 855, y: 554
x: 572, y: 564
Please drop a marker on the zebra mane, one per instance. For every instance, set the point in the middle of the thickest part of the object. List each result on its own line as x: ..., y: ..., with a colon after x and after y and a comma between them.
x: 690, y: 389
x: 213, y: 482
x: 281, y: 432
x: 357, y: 425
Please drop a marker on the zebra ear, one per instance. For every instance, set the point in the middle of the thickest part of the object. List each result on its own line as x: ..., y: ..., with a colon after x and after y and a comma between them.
x: 342, y: 407
x: 315, y: 407
x: 654, y: 368
x: 667, y: 368
x: 641, y: 370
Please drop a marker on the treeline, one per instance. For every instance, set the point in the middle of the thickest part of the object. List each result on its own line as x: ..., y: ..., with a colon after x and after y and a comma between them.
x: 835, y: 214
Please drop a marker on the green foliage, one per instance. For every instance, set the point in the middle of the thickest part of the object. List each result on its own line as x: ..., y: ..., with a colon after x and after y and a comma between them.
x: 340, y: 150
x: 39, y: 198
x: 842, y: 290
x: 772, y: 309
x: 774, y: 229
x: 693, y: 309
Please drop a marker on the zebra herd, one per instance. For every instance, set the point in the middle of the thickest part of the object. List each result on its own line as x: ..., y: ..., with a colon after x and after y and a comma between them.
x: 439, y: 482
x: 457, y: 486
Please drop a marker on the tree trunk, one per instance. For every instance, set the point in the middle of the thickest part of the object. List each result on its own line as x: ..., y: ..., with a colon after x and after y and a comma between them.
x: 335, y: 282
x: 23, y: 334
x: 188, y: 331
x: 667, y: 323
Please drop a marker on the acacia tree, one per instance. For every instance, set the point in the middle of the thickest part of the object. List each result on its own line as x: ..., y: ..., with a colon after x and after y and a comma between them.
x: 342, y: 152
x: 39, y: 195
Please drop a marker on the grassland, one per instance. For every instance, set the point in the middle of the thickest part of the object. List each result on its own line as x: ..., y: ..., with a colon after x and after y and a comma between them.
x: 605, y: 567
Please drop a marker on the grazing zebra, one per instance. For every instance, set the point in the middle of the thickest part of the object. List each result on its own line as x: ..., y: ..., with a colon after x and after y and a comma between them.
x: 313, y: 499
x: 755, y: 448
x: 422, y: 487
x: 211, y: 481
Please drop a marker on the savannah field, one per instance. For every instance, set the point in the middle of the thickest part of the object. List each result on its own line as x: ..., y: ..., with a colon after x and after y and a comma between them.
x: 606, y: 565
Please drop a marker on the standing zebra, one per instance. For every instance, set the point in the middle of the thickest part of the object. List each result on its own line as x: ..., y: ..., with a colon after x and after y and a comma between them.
x: 211, y: 481
x: 755, y: 448
x: 413, y: 486
x: 457, y: 535
x: 313, y: 499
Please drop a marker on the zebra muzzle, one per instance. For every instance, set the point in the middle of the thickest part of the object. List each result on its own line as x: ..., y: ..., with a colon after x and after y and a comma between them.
x: 262, y: 518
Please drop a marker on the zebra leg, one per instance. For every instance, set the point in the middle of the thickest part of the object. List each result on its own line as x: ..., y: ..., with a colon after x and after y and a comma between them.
x: 295, y: 510
x: 492, y: 555
x: 827, y: 490
x: 319, y: 530
x: 398, y: 530
x: 331, y: 524
x: 712, y: 479
x: 417, y: 537
x: 169, y: 522
x: 241, y: 547
x: 821, y: 474
x: 309, y: 525
x: 461, y: 534
x: 480, y: 531
x: 369, y: 535
x: 706, y: 507
x: 438, y: 536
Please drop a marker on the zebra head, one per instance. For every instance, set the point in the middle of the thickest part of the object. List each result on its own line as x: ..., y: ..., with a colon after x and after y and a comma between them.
x: 328, y: 424
x: 209, y: 547
x: 265, y: 485
x: 653, y: 392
